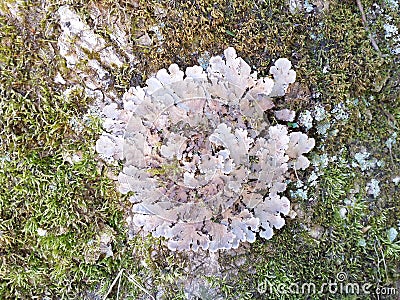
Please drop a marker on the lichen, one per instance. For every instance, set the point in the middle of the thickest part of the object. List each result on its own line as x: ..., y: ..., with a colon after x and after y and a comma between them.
x: 227, y: 167
x: 373, y: 188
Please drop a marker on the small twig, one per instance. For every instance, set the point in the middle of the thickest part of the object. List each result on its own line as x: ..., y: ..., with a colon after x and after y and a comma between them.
x: 134, y: 281
x: 295, y: 172
x: 113, y: 283
x: 364, y: 20
x: 119, y: 285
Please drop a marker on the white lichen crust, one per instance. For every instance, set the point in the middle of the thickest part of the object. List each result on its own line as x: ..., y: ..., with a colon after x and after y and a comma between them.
x: 204, y: 168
